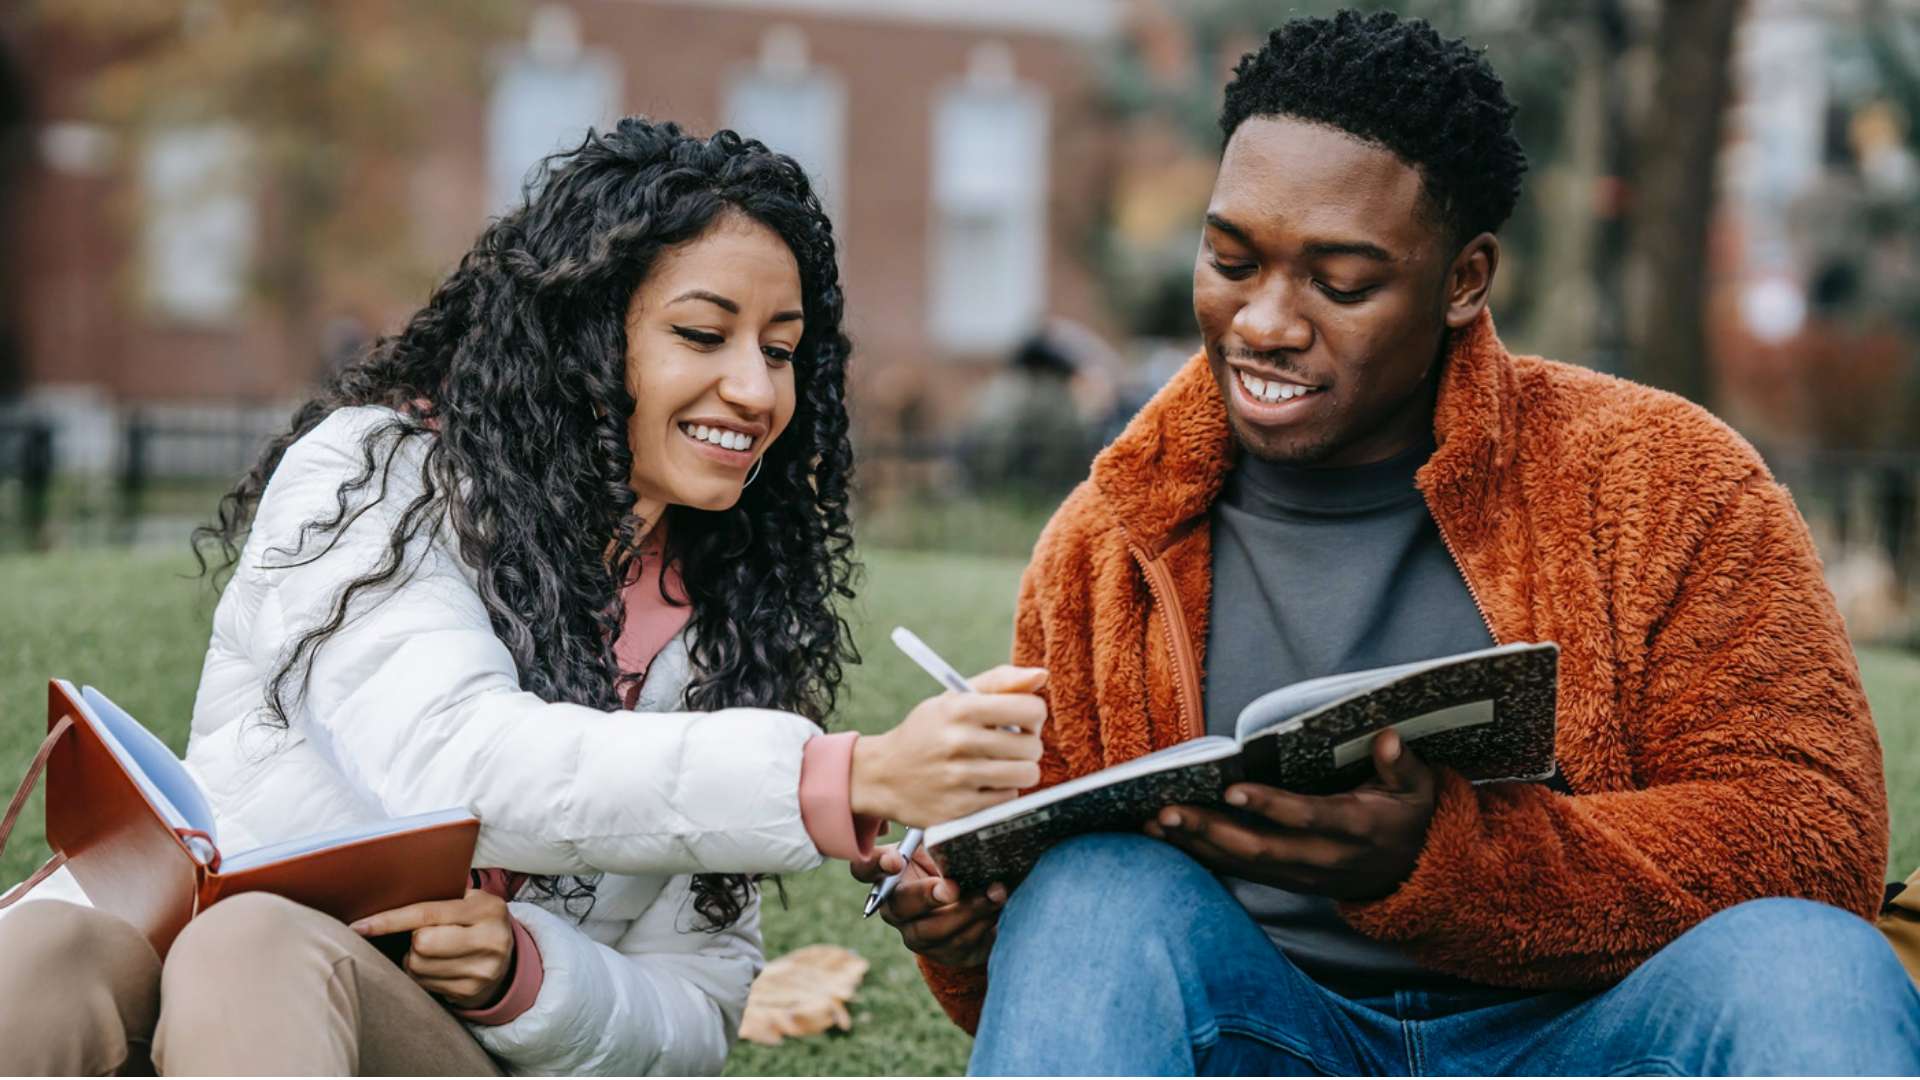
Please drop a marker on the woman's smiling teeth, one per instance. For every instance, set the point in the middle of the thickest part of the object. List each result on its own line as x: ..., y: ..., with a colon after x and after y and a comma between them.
x: 1264, y: 390
x: 724, y: 438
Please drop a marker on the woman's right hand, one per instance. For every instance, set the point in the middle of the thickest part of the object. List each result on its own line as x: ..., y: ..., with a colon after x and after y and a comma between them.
x: 952, y: 755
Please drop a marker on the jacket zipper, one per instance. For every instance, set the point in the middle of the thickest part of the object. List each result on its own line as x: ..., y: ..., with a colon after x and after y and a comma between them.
x: 1185, y: 666
x: 1160, y: 586
x: 1473, y: 593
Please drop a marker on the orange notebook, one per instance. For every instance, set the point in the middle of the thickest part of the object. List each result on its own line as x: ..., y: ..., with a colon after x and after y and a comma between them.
x: 127, y: 818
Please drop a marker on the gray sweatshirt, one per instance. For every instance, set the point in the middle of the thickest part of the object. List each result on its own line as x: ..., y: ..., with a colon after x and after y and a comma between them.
x: 1319, y: 572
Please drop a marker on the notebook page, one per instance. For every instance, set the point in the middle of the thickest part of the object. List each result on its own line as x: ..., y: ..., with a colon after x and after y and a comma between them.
x: 1283, y: 708
x: 161, y: 776
x: 1277, y: 708
x: 345, y: 834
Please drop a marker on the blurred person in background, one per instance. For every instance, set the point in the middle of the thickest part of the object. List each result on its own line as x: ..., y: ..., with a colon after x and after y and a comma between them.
x: 1354, y: 472
x: 569, y: 550
x: 1027, y: 437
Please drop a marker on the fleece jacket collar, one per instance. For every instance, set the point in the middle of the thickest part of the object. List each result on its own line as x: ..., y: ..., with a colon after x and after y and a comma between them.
x: 1167, y: 468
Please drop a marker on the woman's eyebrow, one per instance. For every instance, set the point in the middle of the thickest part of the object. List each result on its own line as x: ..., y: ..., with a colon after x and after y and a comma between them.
x: 715, y: 299
x: 731, y: 308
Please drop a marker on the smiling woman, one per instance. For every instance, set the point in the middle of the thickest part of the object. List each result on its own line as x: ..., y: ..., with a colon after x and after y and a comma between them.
x: 711, y: 337
x: 567, y: 551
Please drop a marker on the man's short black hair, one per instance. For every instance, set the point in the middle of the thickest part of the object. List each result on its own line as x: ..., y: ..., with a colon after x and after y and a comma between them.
x: 1435, y: 102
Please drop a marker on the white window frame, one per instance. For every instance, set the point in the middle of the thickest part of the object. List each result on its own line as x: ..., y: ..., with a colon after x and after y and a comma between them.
x: 1004, y: 193
x: 817, y: 138
x: 199, y: 223
x: 544, y: 98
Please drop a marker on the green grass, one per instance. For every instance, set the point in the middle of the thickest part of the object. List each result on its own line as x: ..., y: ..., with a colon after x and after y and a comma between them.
x: 996, y: 526
x: 136, y: 626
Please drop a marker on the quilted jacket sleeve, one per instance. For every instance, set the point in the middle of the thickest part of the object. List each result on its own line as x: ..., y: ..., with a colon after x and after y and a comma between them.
x: 1759, y: 775
x: 419, y: 703
x: 659, y: 1002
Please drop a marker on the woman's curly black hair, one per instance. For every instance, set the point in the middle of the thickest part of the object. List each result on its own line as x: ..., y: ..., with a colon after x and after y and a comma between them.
x: 1435, y: 102
x: 513, y: 379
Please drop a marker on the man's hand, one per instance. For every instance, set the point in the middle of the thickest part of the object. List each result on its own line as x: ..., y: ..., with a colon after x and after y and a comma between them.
x: 934, y: 920
x: 1359, y: 845
x: 462, y: 949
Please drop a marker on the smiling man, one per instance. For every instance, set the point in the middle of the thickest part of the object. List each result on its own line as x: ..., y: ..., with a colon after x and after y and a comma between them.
x: 1355, y: 472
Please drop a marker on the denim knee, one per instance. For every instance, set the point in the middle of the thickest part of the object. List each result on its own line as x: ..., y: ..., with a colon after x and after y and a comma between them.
x: 1763, y: 945
x: 1795, y: 973
x: 1104, y: 884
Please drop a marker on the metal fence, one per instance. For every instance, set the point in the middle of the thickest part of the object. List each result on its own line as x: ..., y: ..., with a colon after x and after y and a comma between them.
x: 26, y: 480
x: 967, y: 493
x: 1858, y: 499
x: 166, y: 470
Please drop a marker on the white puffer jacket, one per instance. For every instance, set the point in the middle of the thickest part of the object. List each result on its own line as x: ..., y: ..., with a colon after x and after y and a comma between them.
x: 414, y: 705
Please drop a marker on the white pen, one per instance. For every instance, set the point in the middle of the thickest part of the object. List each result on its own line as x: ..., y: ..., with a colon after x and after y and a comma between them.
x: 943, y: 673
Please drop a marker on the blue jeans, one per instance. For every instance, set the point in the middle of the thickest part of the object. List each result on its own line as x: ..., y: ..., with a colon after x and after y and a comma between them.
x: 1121, y: 955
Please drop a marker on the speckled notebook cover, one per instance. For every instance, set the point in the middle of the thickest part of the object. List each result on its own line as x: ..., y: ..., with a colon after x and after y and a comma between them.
x: 1497, y: 706
x: 1518, y: 686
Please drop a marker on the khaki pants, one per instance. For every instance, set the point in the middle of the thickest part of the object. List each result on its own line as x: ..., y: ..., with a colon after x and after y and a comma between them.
x: 256, y: 984
x: 1900, y: 921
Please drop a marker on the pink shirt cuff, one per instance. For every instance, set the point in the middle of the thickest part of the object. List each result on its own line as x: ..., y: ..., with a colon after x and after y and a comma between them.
x: 523, y: 984
x: 826, y: 799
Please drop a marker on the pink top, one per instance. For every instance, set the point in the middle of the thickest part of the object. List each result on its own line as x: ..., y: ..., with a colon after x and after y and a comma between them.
x: 826, y: 774
x: 654, y: 616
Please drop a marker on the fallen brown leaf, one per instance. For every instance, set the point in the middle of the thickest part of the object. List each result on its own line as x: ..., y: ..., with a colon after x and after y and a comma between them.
x: 803, y: 993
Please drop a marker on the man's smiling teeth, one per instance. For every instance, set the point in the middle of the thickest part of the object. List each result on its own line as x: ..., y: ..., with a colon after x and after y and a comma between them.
x: 720, y: 437
x: 1262, y: 390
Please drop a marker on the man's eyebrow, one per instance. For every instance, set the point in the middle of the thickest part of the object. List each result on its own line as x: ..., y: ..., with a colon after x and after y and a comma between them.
x: 1216, y: 221
x: 1325, y: 248
x: 1319, y: 249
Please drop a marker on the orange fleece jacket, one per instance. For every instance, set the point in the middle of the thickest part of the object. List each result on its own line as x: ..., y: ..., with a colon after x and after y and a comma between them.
x: 1711, y: 721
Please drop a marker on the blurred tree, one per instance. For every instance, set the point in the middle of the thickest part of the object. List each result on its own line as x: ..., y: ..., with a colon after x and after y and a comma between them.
x: 1610, y: 38
x: 1673, y: 192
x: 1620, y: 110
x: 13, y: 154
x: 328, y: 95
x: 1163, y: 81
x: 1892, y: 39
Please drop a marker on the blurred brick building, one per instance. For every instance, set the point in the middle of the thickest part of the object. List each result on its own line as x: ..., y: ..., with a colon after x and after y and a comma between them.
x: 959, y: 146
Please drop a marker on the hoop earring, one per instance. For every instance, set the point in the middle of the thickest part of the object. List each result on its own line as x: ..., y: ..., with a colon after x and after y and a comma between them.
x: 753, y: 473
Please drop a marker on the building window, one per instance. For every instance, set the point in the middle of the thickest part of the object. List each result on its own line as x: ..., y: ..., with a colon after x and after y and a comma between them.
x: 544, y: 101
x: 989, y: 208
x: 797, y: 110
x: 198, y: 223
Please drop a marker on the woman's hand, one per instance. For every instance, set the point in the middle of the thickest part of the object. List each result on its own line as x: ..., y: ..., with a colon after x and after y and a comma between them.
x: 462, y: 950
x: 954, y: 754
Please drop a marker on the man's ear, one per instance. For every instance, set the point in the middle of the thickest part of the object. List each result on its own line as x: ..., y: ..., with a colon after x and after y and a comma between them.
x: 1470, y: 280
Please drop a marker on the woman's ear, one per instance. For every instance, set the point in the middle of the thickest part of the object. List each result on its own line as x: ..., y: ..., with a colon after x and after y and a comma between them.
x: 1470, y: 280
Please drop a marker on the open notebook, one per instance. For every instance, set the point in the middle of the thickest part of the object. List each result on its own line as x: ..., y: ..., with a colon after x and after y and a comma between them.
x: 1488, y: 714
x: 140, y: 837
